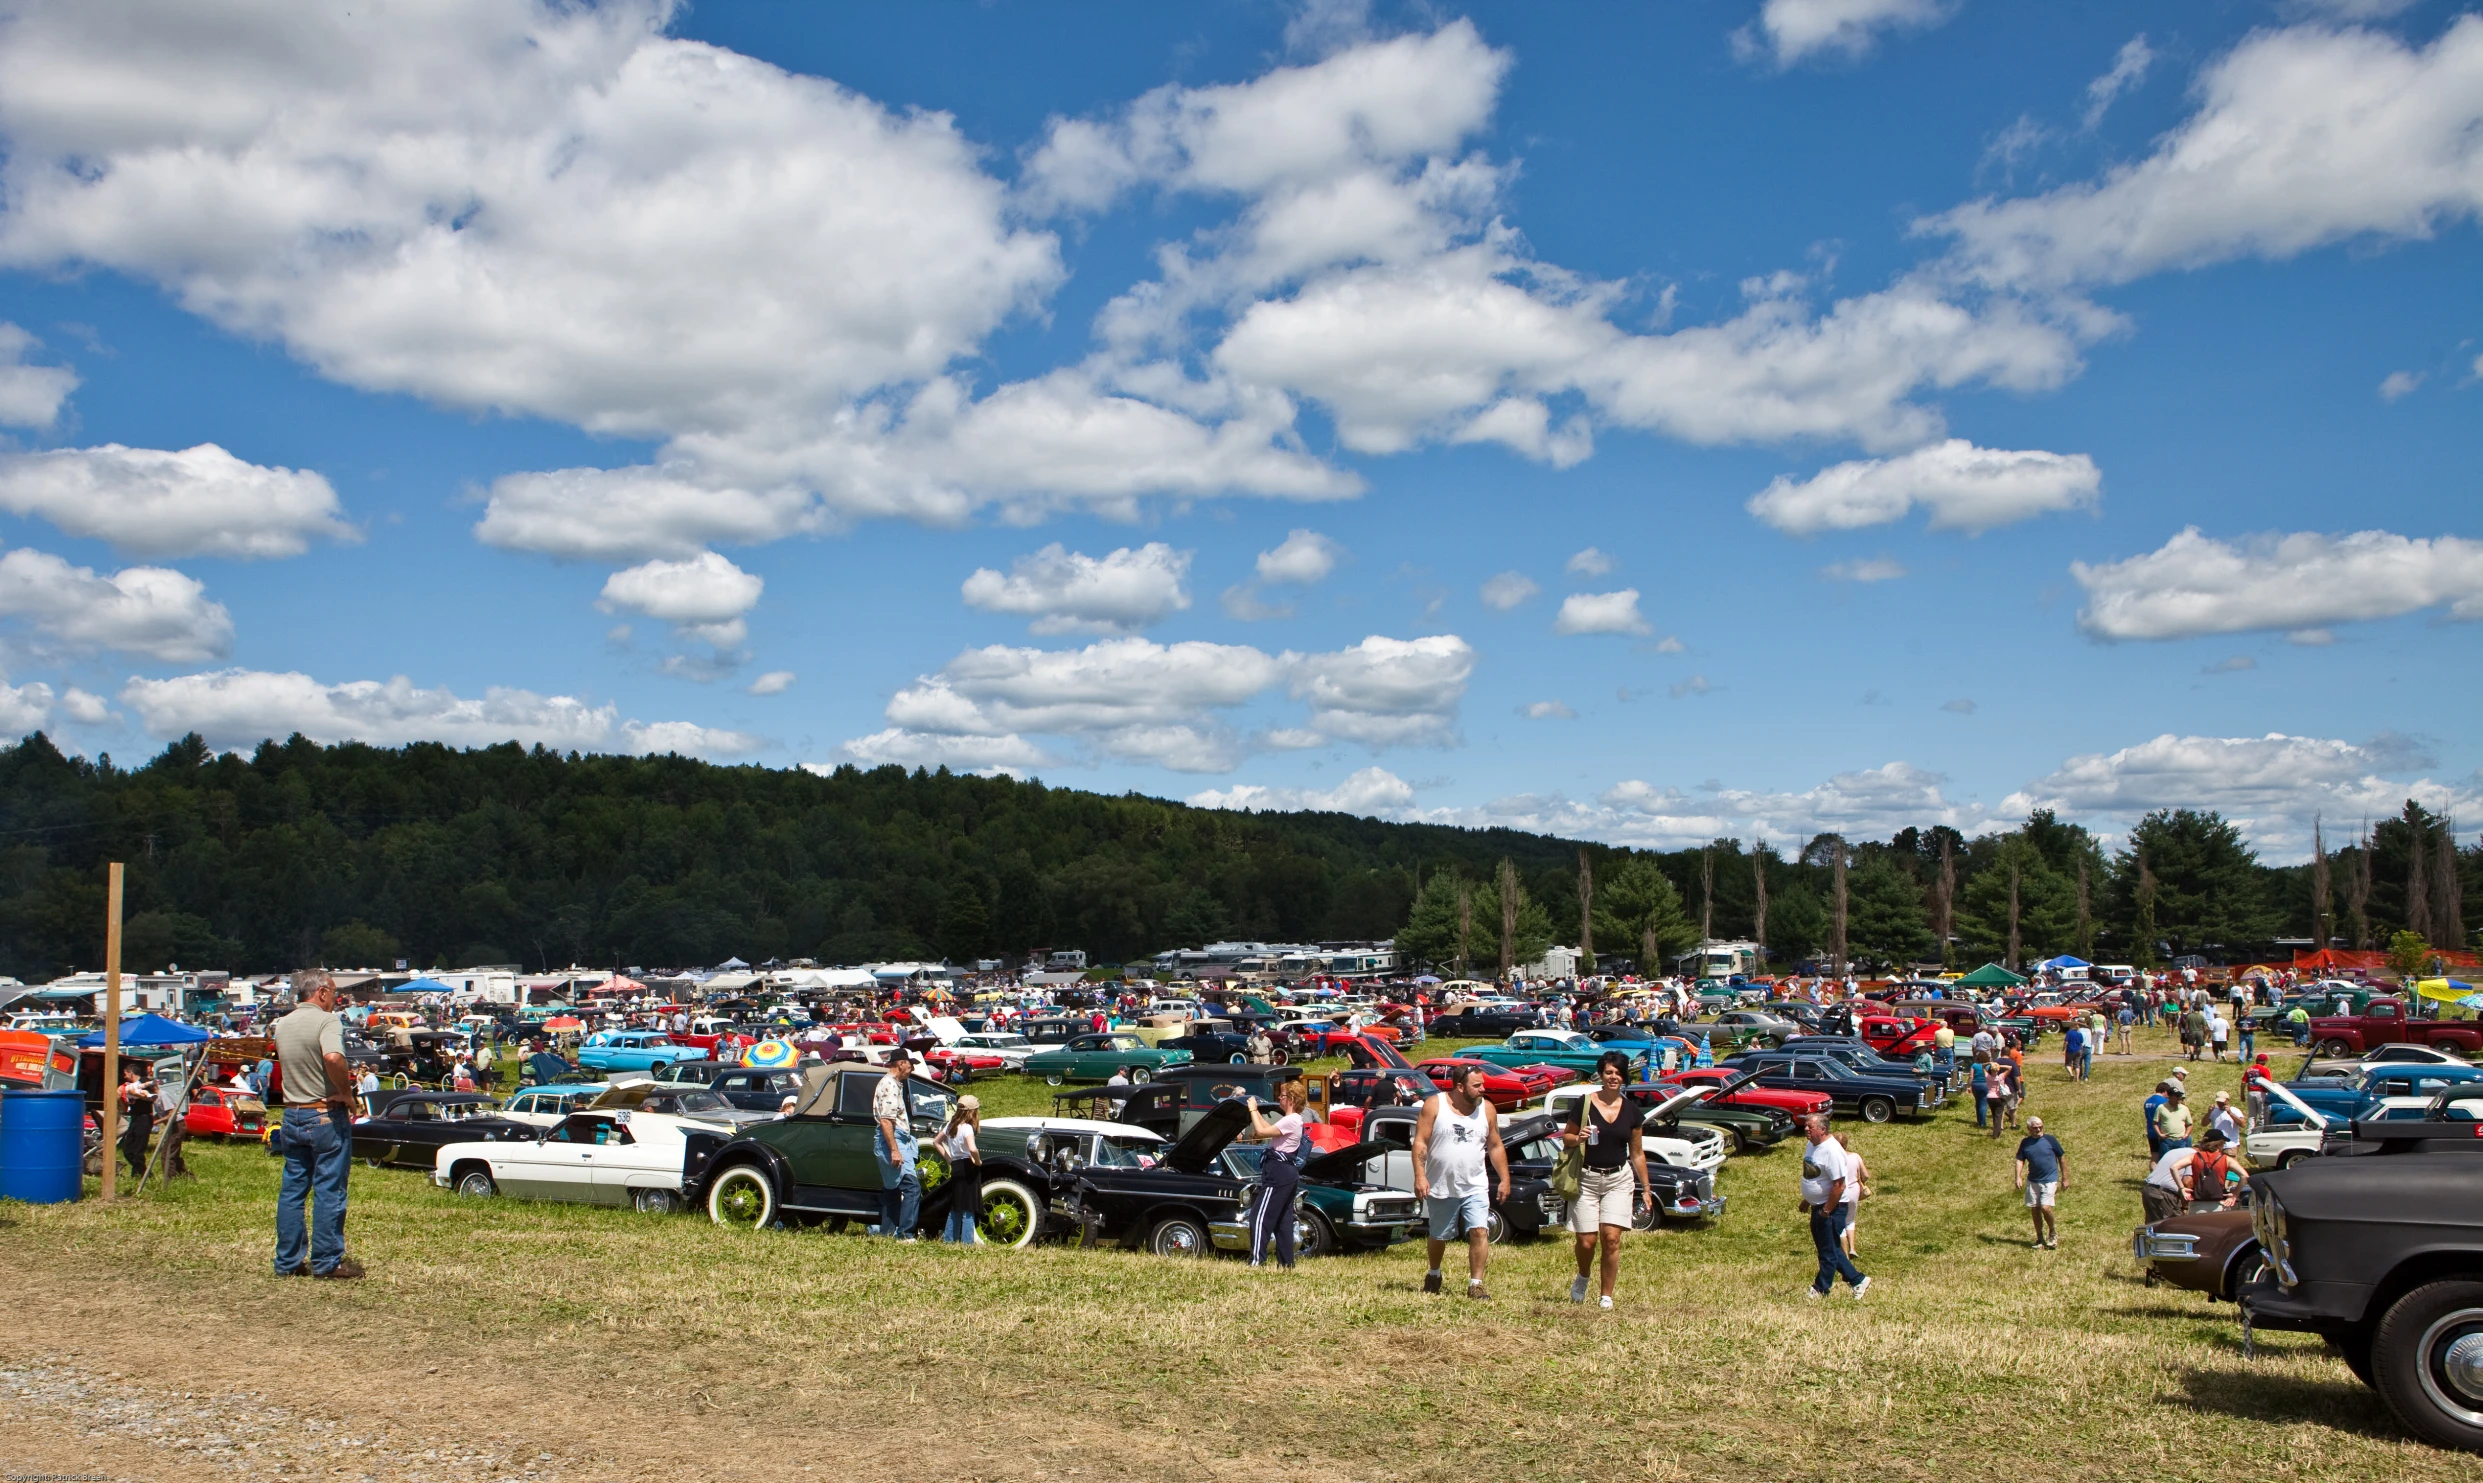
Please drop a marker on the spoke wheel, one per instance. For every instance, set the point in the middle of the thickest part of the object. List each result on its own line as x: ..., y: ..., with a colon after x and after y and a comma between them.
x: 476, y: 1184
x: 654, y: 1201
x: 742, y: 1197
x: 1011, y: 1215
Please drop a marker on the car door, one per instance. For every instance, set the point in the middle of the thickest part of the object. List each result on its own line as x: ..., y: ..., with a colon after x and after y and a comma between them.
x: 561, y: 1167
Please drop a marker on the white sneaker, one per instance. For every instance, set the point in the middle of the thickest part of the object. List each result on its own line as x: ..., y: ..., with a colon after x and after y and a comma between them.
x: 1860, y: 1288
x: 1812, y: 1293
x: 1577, y: 1290
x: 1604, y: 1303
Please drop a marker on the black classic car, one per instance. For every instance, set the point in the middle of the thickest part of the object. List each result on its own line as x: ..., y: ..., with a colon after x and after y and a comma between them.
x: 2382, y: 1255
x: 406, y: 1129
x: 818, y: 1166
x: 1678, y: 1194
x: 755, y: 1089
x: 1210, y: 1041
x: 1483, y: 1024
x: 1194, y: 1199
x: 1874, y: 1099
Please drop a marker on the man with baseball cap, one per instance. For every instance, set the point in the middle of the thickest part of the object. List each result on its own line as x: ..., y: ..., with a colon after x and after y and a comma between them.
x: 900, y: 1183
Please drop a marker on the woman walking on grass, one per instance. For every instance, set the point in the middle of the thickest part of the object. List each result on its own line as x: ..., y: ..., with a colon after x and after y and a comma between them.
x: 1857, y: 1186
x: 1608, y: 1125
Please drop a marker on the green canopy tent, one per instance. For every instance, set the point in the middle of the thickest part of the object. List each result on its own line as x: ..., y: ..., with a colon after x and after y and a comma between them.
x: 1991, y: 976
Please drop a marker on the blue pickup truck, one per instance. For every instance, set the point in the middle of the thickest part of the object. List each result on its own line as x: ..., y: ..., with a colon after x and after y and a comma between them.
x: 2366, y: 1096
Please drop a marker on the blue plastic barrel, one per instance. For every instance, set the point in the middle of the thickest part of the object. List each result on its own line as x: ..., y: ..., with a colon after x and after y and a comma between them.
x: 40, y: 1139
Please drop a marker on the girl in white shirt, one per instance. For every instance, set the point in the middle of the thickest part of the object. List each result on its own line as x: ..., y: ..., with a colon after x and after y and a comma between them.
x: 965, y: 1170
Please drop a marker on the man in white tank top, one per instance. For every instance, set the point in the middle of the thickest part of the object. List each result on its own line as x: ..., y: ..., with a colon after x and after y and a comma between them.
x: 1456, y: 1152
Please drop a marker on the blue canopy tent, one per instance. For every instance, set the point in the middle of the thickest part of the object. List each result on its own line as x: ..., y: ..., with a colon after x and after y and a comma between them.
x: 153, y: 1029
x: 423, y: 986
x: 2064, y: 961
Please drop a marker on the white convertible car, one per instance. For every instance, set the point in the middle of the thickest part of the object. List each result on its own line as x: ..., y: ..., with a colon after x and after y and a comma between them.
x: 592, y: 1158
x: 1698, y: 1147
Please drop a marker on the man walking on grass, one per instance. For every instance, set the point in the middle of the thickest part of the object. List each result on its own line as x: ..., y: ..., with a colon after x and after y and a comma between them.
x: 1457, y: 1153
x: 900, y: 1182
x: 2040, y: 1175
x: 317, y: 1149
x: 1825, y: 1167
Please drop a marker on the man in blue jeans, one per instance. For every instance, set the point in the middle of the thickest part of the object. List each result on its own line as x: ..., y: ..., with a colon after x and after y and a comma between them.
x: 318, y: 1154
x: 900, y: 1183
x: 1825, y: 1166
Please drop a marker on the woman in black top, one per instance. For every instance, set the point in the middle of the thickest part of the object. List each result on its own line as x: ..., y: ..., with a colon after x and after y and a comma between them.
x: 1609, y: 1125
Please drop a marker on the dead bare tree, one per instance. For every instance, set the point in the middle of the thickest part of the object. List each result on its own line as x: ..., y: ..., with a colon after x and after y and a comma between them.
x: 2417, y: 875
x: 1508, y: 918
x: 1707, y: 895
x: 1837, y: 926
x: 1944, y: 908
x: 2358, y: 892
x: 1586, y: 913
x: 2448, y: 910
x: 2321, y: 926
x: 1758, y: 894
x: 2086, y: 916
x: 1465, y: 928
x: 2011, y: 963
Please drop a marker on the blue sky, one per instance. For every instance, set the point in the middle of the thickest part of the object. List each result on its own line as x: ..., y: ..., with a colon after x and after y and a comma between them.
x: 1745, y: 417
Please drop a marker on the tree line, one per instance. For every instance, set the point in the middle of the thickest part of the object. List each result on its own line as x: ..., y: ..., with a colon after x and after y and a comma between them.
x: 358, y: 856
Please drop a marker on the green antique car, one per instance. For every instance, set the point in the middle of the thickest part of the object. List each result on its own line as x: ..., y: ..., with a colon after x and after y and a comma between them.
x: 1096, y: 1057
x: 1566, y: 1049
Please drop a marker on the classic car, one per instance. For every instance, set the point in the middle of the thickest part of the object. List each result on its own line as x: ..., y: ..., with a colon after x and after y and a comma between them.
x: 2212, y: 1251
x: 694, y: 1105
x: 1206, y: 1043
x: 1194, y: 1199
x: 756, y: 1088
x: 1342, y: 1097
x: 1531, y: 1206
x: 818, y: 1166
x: 1480, y: 1022
x: 1875, y: 1099
x: 1505, y: 1087
x: 1694, y: 1146
x: 1181, y: 1095
x: 1749, y: 1095
x: 2382, y: 1255
x: 1012, y: 1049
x: 1339, y: 1209
x: 2385, y: 1021
x: 408, y: 1128
x: 2398, y: 1053
x: 1927, y: 1068
x: 2353, y: 1100
x: 956, y: 1063
x: 691, y: 1073
x: 1745, y: 1025
x: 593, y: 1158
x: 632, y: 1050
x: 221, y: 1112
x: 1566, y: 1049
x: 1094, y: 1057
x: 1899, y: 1036
x: 1676, y: 1193
x: 545, y: 1105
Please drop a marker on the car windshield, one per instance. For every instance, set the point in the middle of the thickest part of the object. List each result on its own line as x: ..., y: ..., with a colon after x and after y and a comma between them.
x: 701, y: 1101
x: 1114, y: 1153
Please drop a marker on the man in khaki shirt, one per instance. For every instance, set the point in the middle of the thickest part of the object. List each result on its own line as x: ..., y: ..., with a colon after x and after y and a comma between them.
x: 314, y: 1137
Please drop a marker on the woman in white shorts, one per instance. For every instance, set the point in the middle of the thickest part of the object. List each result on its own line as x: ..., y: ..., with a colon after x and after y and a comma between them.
x: 1608, y: 1125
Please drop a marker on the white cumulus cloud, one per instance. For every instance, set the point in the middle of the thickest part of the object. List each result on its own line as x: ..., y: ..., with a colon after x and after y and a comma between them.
x: 1305, y: 557
x: 198, y: 501
x: 1067, y: 591
x: 985, y: 754
x: 703, y: 598
x: 2303, y: 137
x: 1387, y: 692
x: 1589, y: 563
x: 1601, y: 612
x: 30, y: 396
x: 1374, y: 791
x: 774, y: 682
x: 1547, y: 710
x: 1793, y: 30
x: 1506, y: 591
x: 24, y: 708
x: 2195, y: 584
x: 1961, y: 486
x: 150, y: 611
x: 85, y: 709
x: 2397, y: 385
x: 238, y: 708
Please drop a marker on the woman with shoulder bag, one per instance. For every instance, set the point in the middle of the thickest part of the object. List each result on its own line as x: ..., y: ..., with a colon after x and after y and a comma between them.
x: 1607, y: 1134
x: 965, y: 1170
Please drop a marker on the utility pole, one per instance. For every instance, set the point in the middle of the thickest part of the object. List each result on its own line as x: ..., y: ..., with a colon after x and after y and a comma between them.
x: 1839, y: 924
x: 1586, y: 912
x: 1758, y: 895
x: 111, y: 1025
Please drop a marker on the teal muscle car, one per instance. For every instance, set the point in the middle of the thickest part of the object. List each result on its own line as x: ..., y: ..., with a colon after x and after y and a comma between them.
x: 1096, y: 1057
x: 1566, y: 1049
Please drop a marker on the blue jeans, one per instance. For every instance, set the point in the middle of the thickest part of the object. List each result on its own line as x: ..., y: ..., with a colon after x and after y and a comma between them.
x: 900, y: 1204
x: 317, y: 1156
x: 1978, y: 1106
x: 960, y: 1228
x: 1827, y: 1232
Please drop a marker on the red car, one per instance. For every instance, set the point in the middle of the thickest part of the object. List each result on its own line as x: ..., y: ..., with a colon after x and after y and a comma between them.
x: 220, y: 1112
x: 1895, y: 1036
x: 957, y: 1065
x: 1798, y: 1104
x: 1505, y: 1087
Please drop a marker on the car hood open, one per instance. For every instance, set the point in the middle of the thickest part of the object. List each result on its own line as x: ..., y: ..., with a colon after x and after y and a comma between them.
x: 1344, y: 1165
x: 1197, y: 1147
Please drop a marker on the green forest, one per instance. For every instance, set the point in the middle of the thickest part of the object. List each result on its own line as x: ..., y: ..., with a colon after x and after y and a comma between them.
x: 356, y: 855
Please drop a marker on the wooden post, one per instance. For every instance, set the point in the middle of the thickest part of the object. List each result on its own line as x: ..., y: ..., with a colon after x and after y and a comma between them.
x: 111, y: 1026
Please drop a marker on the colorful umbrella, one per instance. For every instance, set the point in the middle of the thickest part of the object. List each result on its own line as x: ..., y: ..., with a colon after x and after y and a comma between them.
x: 771, y: 1055
x: 1706, y: 1053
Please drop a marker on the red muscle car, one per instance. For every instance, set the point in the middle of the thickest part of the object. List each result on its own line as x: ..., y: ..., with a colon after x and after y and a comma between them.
x: 1798, y: 1104
x: 1505, y: 1087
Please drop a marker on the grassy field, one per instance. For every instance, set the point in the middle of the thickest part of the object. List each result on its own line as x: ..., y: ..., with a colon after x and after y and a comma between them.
x: 577, y: 1342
